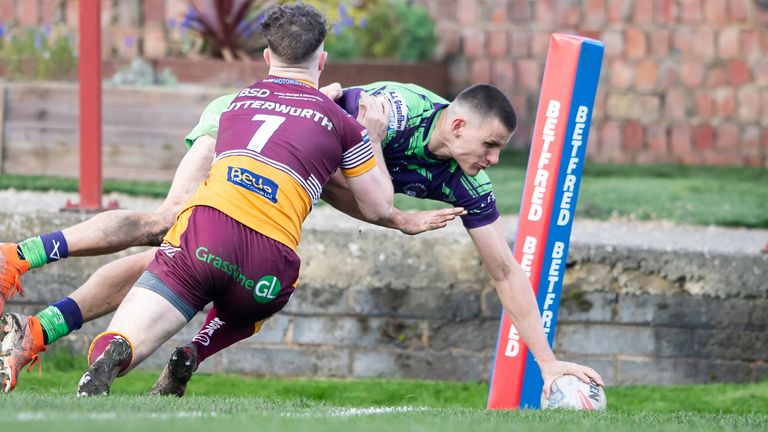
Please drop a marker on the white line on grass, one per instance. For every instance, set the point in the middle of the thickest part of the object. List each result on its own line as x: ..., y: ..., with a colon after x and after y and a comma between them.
x: 354, y: 412
x: 28, y: 416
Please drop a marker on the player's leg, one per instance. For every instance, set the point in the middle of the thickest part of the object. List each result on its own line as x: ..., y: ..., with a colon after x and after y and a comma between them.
x: 24, y: 337
x: 116, y: 230
x: 262, y: 287
x: 109, y: 231
x: 215, y: 335
x: 141, y: 324
x: 174, y: 288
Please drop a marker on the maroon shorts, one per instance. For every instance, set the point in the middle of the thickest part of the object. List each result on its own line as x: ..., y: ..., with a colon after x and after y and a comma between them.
x: 247, y: 275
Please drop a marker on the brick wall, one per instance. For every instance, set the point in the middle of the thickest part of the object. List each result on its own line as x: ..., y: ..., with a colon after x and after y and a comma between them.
x: 683, y: 81
x: 149, y: 28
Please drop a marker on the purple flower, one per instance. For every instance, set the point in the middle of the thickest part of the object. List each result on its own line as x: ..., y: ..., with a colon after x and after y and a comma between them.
x: 128, y: 41
x: 172, y: 22
x: 47, y: 29
x: 189, y: 18
x: 363, y: 22
x: 2, y: 30
x: 246, y: 28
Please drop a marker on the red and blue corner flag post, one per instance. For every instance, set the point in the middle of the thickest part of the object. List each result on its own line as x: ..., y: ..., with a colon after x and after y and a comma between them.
x: 549, y: 200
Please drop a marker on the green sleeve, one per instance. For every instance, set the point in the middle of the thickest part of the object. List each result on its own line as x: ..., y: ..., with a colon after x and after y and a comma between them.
x: 209, y: 120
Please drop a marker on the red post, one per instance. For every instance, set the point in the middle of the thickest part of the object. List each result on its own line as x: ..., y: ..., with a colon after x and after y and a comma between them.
x: 89, y: 72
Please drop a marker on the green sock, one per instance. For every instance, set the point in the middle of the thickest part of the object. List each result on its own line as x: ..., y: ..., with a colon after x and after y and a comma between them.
x: 54, y: 325
x: 34, y: 252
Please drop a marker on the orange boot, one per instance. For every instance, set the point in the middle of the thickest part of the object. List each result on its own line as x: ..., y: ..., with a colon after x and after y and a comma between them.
x: 22, y: 341
x: 11, y: 269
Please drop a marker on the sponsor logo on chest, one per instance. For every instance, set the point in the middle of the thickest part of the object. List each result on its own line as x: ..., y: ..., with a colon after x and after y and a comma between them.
x: 398, y: 117
x: 253, y: 182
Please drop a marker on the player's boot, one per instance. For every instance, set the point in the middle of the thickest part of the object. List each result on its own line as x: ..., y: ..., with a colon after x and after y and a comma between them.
x: 11, y: 269
x: 22, y: 341
x: 177, y: 373
x: 97, y: 380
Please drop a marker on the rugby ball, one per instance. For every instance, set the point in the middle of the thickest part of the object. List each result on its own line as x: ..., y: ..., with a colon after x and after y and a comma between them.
x: 569, y: 392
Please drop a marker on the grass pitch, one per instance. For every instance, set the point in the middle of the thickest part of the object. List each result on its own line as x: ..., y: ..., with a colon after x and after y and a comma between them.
x: 222, y: 402
x: 729, y: 196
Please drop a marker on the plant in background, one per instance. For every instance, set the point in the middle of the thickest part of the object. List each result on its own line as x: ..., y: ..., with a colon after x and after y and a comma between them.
x: 228, y: 27
x: 183, y: 41
x: 31, y: 54
x: 390, y: 29
x: 141, y: 72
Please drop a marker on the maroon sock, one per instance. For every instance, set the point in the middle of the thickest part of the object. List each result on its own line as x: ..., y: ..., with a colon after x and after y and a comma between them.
x: 215, y: 335
x: 100, y: 344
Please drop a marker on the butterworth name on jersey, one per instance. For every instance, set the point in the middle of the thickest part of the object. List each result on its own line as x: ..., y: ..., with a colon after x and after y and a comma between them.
x: 277, y: 107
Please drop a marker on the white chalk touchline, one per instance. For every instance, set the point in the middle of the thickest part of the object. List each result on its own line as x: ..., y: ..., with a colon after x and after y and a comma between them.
x: 30, y: 416
x: 26, y: 416
x: 353, y: 412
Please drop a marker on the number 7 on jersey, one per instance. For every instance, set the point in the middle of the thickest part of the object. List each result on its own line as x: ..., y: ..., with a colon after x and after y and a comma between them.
x: 269, y: 125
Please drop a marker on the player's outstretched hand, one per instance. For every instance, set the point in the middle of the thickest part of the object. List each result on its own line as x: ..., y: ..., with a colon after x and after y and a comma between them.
x: 554, y: 369
x: 332, y: 90
x: 428, y: 220
x: 374, y: 115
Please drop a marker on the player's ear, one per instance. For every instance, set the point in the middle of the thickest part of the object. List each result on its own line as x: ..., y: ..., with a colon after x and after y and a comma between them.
x: 323, y: 58
x: 266, y: 55
x: 457, y: 126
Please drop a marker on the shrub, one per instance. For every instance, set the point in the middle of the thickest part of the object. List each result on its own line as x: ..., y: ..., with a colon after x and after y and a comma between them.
x: 389, y: 29
x: 30, y: 54
x: 229, y: 28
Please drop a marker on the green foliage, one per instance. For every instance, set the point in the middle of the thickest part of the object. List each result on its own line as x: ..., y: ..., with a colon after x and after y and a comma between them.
x: 141, y: 72
x: 30, y: 54
x: 391, y: 29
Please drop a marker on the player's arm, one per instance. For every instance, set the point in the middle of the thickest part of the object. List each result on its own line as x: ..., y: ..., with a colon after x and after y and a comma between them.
x: 372, y: 192
x: 336, y: 193
x: 208, y: 125
x: 519, y: 302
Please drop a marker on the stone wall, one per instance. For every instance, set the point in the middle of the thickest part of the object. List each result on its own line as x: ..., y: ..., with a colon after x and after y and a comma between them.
x: 377, y: 304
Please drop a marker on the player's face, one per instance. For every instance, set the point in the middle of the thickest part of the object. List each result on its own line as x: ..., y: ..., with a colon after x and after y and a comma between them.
x: 479, y: 144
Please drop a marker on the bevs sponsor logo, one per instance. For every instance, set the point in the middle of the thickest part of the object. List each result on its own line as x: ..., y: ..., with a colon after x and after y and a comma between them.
x: 255, y: 183
x: 398, y: 118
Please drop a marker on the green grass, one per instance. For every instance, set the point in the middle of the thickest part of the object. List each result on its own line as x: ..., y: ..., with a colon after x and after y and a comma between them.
x: 683, y: 194
x: 36, y: 183
x: 696, y: 195
x: 222, y: 402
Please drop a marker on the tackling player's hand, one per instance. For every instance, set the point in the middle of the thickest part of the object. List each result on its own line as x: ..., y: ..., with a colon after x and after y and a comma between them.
x: 422, y: 221
x: 553, y: 369
x: 332, y: 90
x: 374, y: 115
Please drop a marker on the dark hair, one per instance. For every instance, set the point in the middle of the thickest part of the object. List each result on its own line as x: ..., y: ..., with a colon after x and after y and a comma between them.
x: 293, y: 32
x: 487, y: 100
